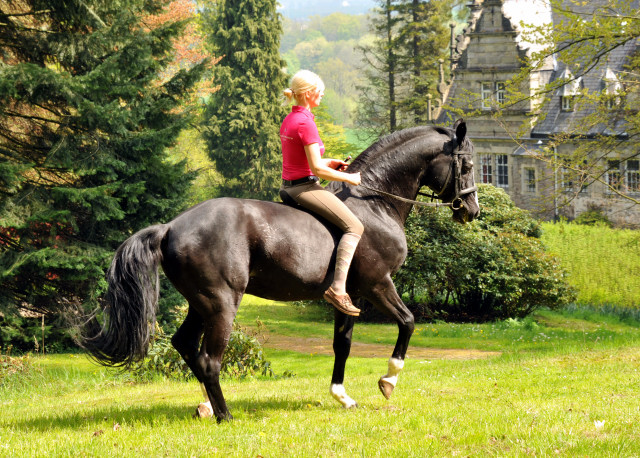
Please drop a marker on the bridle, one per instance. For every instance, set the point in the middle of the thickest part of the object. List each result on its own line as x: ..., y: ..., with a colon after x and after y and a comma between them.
x: 456, y: 171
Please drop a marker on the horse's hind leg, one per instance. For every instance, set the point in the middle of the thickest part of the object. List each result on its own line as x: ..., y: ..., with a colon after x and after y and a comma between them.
x: 186, y: 341
x: 343, y: 329
x: 217, y: 330
x: 387, y: 299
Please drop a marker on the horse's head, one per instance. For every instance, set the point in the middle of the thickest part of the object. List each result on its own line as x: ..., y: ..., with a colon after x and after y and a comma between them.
x: 450, y: 175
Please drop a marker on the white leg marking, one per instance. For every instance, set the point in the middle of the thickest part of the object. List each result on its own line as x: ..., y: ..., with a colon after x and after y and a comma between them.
x: 339, y: 394
x: 395, y: 366
x: 204, y: 393
x: 204, y: 409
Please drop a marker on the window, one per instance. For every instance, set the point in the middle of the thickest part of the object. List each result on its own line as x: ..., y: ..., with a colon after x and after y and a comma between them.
x: 623, y: 176
x: 633, y: 175
x: 486, y: 169
x: 502, y: 171
x: 567, y: 103
x: 572, y: 178
x: 498, y: 163
x: 487, y: 91
x: 492, y: 92
x: 530, y: 180
x: 500, y: 93
x: 613, y: 175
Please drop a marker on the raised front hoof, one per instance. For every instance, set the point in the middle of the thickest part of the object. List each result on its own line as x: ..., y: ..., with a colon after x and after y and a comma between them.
x: 385, y: 387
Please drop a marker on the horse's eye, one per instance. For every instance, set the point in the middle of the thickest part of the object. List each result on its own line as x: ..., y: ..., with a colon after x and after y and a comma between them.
x: 467, y: 166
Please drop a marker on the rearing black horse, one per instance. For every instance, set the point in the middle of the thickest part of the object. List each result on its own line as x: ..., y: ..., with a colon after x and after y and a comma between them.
x: 218, y: 250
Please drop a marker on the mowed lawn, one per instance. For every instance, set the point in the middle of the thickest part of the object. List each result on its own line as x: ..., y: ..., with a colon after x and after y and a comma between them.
x: 560, y: 385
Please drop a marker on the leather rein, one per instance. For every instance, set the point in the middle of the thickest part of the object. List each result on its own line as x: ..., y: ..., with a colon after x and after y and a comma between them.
x: 456, y: 204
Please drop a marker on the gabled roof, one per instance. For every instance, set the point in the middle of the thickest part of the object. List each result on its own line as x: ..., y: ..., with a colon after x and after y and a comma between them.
x: 517, y: 14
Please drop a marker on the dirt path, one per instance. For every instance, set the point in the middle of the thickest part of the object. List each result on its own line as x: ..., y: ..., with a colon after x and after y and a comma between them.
x: 325, y: 347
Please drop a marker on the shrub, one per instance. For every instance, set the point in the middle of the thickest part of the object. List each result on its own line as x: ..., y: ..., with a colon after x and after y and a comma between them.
x: 243, y: 356
x: 11, y: 366
x: 592, y: 217
x: 493, y: 268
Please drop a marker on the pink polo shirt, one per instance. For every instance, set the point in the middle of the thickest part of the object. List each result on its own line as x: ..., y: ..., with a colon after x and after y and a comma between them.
x: 298, y: 129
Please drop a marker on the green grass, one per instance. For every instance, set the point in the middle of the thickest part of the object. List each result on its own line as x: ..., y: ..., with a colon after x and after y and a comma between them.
x: 604, y: 263
x: 559, y: 375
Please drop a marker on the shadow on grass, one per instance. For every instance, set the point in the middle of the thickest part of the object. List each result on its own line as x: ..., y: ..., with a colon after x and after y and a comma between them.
x: 158, y: 414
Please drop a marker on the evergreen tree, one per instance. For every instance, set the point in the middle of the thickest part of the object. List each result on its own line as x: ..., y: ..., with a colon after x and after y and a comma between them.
x: 243, y: 117
x: 423, y: 38
x: 84, y: 124
x: 377, y: 110
x: 401, y: 66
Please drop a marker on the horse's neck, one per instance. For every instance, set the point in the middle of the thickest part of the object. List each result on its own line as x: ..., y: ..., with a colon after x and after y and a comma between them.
x: 399, y: 177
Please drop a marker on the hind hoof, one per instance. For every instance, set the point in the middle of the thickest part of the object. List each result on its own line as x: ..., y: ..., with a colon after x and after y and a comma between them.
x: 386, y: 388
x: 204, y: 410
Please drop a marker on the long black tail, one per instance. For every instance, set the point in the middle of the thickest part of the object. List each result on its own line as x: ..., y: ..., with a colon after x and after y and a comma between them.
x: 131, y: 301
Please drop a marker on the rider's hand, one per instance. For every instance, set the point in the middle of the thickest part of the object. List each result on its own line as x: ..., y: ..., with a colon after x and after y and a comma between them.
x: 354, y: 178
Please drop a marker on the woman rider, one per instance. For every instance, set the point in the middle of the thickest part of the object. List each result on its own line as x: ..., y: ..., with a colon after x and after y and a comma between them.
x: 303, y: 165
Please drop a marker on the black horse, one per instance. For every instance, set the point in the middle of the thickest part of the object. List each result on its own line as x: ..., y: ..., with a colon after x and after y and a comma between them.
x: 220, y: 249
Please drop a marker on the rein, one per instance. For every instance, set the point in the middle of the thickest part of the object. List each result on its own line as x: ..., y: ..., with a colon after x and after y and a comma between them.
x: 456, y: 204
x: 410, y: 201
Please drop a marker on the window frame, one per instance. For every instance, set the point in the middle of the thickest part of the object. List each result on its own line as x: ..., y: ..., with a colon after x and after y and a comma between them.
x: 529, y: 184
x: 502, y: 171
x: 566, y: 103
x: 486, y: 94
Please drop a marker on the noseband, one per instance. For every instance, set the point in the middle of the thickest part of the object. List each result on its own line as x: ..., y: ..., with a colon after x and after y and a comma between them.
x: 456, y: 204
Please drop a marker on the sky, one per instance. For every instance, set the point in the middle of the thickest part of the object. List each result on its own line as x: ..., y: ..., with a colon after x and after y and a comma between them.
x: 298, y: 9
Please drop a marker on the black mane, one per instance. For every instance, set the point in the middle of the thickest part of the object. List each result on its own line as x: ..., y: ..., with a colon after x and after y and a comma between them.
x: 389, y: 142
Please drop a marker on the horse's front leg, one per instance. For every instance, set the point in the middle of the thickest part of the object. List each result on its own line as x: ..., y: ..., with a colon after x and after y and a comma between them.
x: 387, y: 299
x: 343, y: 330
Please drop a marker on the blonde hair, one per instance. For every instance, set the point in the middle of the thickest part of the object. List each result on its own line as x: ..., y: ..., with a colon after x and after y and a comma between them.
x: 301, y: 83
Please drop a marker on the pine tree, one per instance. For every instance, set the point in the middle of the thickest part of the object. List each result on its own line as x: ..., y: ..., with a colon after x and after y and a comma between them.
x: 243, y: 117
x: 377, y: 110
x: 401, y: 66
x: 423, y: 35
x: 84, y: 124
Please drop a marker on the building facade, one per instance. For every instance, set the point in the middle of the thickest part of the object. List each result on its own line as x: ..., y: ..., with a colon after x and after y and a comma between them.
x: 485, y: 58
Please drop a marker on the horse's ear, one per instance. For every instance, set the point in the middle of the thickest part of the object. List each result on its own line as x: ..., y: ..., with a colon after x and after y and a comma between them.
x: 461, y: 130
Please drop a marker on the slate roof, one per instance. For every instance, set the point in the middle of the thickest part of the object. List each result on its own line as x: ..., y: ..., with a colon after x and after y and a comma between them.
x: 536, y: 12
x: 557, y: 120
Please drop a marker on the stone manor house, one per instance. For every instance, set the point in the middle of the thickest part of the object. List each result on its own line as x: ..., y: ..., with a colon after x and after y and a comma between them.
x: 484, y: 57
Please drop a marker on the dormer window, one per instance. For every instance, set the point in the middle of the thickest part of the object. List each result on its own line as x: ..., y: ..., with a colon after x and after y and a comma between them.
x: 612, y: 89
x: 569, y: 90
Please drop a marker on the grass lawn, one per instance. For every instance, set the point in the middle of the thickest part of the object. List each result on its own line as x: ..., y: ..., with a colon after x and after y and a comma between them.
x: 563, y: 385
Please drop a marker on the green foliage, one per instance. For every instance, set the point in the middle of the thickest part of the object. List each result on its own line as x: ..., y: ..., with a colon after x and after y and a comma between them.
x: 191, y: 148
x: 85, y: 121
x: 242, y: 358
x: 26, y: 333
x: 242, y: 118
x: 13, y: 366
x: 402, y: 63
x: 333, y: 135
x: 603, y: 263
x: 593, y: 217
x: 493, y: 268
x: 327, y: 46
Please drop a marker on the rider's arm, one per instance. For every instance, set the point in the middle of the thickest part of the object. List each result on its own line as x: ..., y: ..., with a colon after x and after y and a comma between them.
x: 323, y: 167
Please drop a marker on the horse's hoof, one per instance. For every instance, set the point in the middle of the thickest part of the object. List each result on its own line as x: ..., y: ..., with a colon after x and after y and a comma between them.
x: 386, y: 388
x: 204, y: 410
x: 225, y: 417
